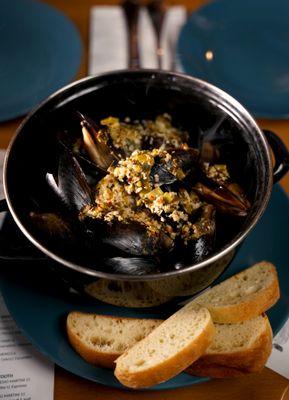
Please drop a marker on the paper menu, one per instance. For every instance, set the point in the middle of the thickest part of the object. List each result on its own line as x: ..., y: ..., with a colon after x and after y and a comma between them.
x: 24, y: 373
x: 279, y: 359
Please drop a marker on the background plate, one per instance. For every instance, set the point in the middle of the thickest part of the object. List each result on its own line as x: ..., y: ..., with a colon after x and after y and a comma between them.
x: 242, y: 47
x: 39, y: 305
x: 40, y: 52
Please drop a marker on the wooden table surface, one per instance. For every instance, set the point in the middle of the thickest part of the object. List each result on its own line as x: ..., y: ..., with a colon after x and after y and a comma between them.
x: 267, y: 385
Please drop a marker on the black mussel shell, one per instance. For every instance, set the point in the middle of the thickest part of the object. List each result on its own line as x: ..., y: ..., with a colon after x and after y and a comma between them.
x: 161, y: 176
x: 92, y: 172
x: 202, y: 247
x: 71, y: 186
x: 101, y: 152
x: 134, y: 239
x: 195, y: 252
x: 209, y: 152
x: 186, y: 159
x: 224, y: 199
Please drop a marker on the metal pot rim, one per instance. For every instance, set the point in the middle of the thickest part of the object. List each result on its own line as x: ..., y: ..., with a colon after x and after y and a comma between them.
x: 91, y: 272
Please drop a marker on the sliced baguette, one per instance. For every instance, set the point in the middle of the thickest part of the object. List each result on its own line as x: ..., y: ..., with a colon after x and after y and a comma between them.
x: 100, y: 339
x: 126, y: 294
x: 236, y: 349
x: 168, y: 349
x: 243, y: 296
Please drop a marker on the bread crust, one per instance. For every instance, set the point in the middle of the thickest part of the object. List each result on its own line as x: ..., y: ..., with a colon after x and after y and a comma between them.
x: 169, y: 367
x: 196, y: 358
x: 95, y: 357
x: 253, y: 306
x: 223, y: 365
x: 104, y: 359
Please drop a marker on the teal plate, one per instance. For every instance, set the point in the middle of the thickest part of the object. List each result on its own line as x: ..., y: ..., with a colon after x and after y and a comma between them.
x: 39, y: 305
x: 40, y: 51
x: 242, y: 47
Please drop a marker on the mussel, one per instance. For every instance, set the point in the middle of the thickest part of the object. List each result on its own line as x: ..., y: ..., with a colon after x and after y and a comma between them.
x: 218, y: 188
x: 147, y: 204
x: 224, y: 198
x: 134, y: 238
x: 208, y: 152
x: 203, y: 245
x: 96, y: 144
x: 75, y: 194
x: 201, y: 242
x: 71, y: 185
x: 179, y: 164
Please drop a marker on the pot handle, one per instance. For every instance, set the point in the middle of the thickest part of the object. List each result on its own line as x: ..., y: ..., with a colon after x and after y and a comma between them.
x: 20, y: 254
x: 14, y: 247
x: 281, y: 155
x: 3, y: 205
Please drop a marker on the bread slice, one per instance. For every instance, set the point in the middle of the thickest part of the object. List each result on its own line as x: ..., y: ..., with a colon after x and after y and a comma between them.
x: 126, y: 294
x: 243, y: 296
x: 100, y: 339
x: 168, y: 349
x: 236, y: 349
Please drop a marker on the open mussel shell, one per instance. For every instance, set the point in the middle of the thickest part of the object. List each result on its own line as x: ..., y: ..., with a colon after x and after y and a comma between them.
x: 71, y: 186
x: 209, y: 152
x: 134, y: 239
x: 99, y: 150
x: 239, y: 193
x: 223, y: 199
x: 92, y: 172
x: 132, y: 265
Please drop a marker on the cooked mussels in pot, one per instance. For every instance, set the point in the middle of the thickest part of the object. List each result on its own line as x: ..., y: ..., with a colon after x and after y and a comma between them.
x: 147, y: 192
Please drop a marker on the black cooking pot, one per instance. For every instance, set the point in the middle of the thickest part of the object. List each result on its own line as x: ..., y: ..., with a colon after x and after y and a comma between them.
x: 193, y: 104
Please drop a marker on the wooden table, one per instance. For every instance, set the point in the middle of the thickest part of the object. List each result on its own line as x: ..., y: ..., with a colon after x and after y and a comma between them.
x: 267, y: 385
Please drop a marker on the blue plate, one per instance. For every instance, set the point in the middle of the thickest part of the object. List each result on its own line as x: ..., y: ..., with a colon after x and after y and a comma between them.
x: 40, y: 51
x: 242, y: 47
x: 40, y: 310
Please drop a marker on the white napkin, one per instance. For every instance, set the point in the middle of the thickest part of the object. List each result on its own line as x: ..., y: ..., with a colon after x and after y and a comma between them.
x: 108, y: 39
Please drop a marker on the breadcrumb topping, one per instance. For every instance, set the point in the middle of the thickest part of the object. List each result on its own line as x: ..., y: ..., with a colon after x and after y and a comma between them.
x: 144, y: 185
